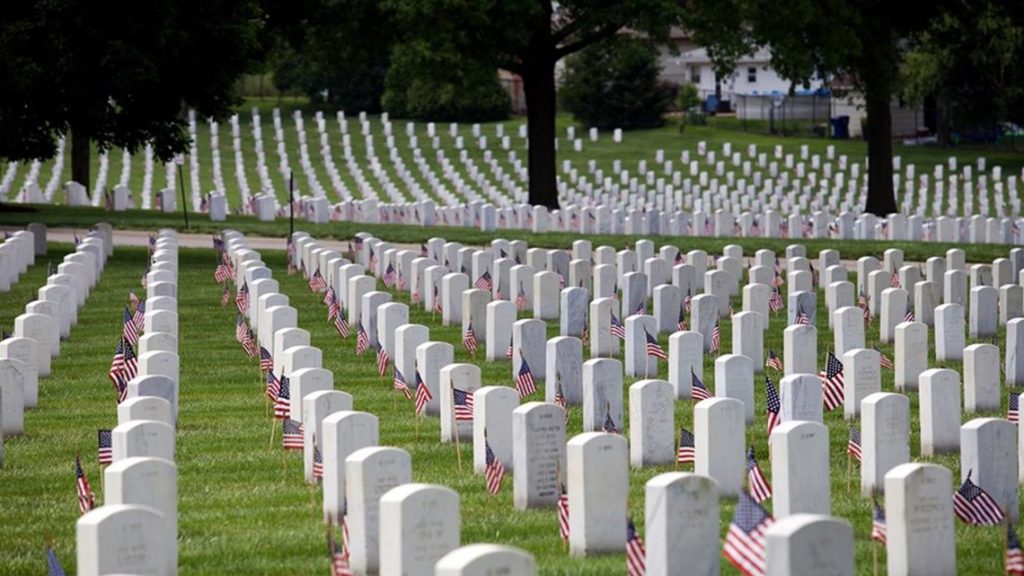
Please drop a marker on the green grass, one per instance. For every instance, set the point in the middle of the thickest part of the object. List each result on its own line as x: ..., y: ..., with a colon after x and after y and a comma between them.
x: 243, y: 506
x: 15, y: 215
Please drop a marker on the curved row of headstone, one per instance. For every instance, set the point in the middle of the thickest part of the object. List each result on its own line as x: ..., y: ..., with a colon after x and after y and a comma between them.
x: 18, y: 251
x: 26, y: 354
x: 135, y: 530
x: 800, y: 457
x: 356, y: 471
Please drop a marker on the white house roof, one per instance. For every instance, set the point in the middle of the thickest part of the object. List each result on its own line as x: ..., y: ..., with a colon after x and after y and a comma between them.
x: 762, y: 55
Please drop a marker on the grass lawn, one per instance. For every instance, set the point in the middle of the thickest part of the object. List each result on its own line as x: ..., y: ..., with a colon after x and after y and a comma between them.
x: 243, y: 506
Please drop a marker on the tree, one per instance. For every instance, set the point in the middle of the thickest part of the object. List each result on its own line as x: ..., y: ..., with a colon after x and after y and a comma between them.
x: 863, y: 40
x: 616, y: 84
x: 118, y: 73
x: 336, y: 52
x: 967, y: 59
x: 528, y: 37
x: 457, y: 89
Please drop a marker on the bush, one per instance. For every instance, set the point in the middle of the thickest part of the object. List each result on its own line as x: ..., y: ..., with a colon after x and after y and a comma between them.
x: 615, y: 84
x: 442, y: 85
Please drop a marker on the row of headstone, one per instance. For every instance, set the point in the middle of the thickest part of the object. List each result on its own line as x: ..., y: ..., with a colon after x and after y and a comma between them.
x: 28, y: 350
x: 136, y: 529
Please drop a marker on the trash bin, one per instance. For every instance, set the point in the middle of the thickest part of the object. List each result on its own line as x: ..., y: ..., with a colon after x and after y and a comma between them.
x: 840, y: 128
x: 711, y: 105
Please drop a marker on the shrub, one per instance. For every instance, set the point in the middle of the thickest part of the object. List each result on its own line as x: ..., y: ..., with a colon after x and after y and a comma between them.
x: 615, y: 84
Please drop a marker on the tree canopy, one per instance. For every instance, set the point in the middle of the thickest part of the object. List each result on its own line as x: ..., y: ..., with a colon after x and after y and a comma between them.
x: 118, y: 73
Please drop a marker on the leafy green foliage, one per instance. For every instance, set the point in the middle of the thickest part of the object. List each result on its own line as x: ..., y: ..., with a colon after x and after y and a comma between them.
x: 443, y: 86
x: 337, y: 54
x: 119, y: 72
x: 615, y: 84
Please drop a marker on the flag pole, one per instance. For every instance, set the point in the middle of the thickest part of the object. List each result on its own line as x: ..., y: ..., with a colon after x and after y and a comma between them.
x: 272, y: 426
x: 558, y: 481
x: 181, y: 179
x: 291, y: 204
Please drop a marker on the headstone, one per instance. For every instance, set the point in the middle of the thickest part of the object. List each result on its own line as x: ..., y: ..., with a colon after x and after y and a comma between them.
x: 145, y: 408
x: 431, y: 357
x: 911, y: 354
x: 982, y: 386
x: 885, y: 438
x: 538, y: 454
x: 809, y: 545
x: 651, y: 423
x: 142, y: 438
x: 939, y: 411
x: 151, y: 482
x: 123, y: 539
x: 369, y: 474
x: 682, y: 524
x: 486, y: 560
x: 564, y: 359
x: 492, y: 422
x: 685, y: 358
x: 719, y: 442
x: 800, y: 349
x: 420, y: 524
x: 155, y: 385
x: 734, y: 378
x: 920, y: 537
x: 988, y: 453
x: 598, y: 485
x: 344, y: 432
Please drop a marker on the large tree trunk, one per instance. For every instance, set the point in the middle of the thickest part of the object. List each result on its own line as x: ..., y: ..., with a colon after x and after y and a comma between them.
x: 80, y: 151
x: 539, y: 85
x: 877, y: 94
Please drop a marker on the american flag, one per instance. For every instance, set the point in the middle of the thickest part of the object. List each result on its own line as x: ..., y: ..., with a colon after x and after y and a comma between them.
x: 802, y: 317
x: 140, y: 316
x: 617, y: 329
x: 778, y: 280
x: 641, y: 308
x: 290, y: 252
x: 563, y: 512
x: 774, y: 406
x: 240, y: 328
x: 283, y: 402
x: 681, y: 324
x: 424, y: 253
x: 266, y: 360
x: 775, y: 302
x: 225, y: 296
x: 862, y: 301
x: 400, y: 282
x: 469, y: 339
x: 745, y: 541
x: 341, y: 324
x: 909, y: 315
x: 773, y: 361
x: 389, y: 277
x: 636, y: 555
x: 333, y: 308
x: 686, y: 451
x: 698, y: 391
x: 223, y: 272
x: 521, y: 303
x: 895, y: 283
x: 463, y: 405
x: 415, y: 297
x: 853, y: 443
x: 510, y: 351
x: 524, y: 380
x: 382, y: 360
x: 1013, y: 411
x: 653, y: 348
x: 53, y: 567
x: 878, y: 530
x: 687, y: 301
x: 273, y: 386
x: 373, y: 259
x: 318, y: 461
x: 884, y: 360
x: 560, y: 395
x: 398, y: 383
x: 759, y: 487
x: 484, y: 282
x: 86, y: 499
x: 832, y: 386
x: 133, y: 299
x: 129, y: 331
x: 105, y: 447
x: 291, y: 438
x: 437, y: 301
x: 249, y: 344
x: 973, y: 505
x: 423, y: 394
x: 716, y: 338
x: 1014, y: 555
x: 494, y: 472
x: 362, y: 339
x: 609, y: 425
x: 317, y: 283
x: 242, y: 298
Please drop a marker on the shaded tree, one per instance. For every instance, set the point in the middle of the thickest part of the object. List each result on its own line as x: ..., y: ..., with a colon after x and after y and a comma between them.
x: 118, y: 73
x: 860, y: 40
x: 528, y: 37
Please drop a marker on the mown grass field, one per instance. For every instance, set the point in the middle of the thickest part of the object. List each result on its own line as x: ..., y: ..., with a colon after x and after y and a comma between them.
x: 243, y: 506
